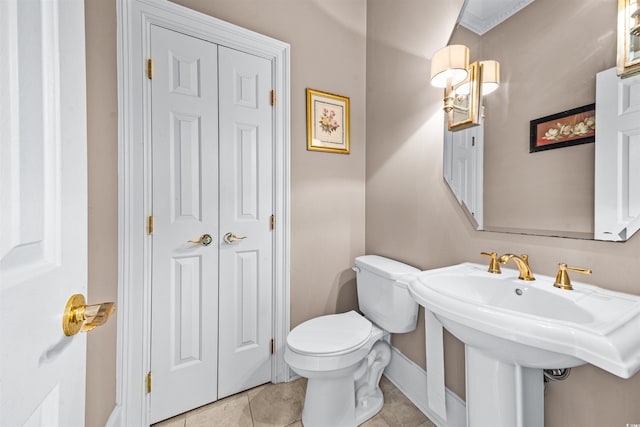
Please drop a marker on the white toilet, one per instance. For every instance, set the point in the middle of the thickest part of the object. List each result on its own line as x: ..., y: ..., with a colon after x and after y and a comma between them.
x: 343, y: 355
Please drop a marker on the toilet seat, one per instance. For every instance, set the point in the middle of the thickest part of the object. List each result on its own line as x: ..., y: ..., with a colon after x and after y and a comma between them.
x: 330, y: 335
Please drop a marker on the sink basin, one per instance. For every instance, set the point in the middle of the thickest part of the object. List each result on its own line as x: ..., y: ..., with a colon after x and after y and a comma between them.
x: 509, y: 294
x: 513, y: 329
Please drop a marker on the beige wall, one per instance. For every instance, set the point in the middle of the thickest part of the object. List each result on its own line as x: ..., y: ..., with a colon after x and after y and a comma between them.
x: 327, y: 190
x: 102, y: 127
x: 413, y: 217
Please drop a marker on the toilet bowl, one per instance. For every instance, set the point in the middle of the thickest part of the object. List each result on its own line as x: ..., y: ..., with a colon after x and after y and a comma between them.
x: 344, y: 355
x: 332, y: 351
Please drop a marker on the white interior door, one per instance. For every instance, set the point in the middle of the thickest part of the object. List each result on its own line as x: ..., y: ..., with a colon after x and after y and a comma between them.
x: 43, y: 210
x: 463, y: 168
x: 211, y: 304
x: 135, y: 19
x: 246, y: 206
x: 184, y: 318
x: 617, y: 156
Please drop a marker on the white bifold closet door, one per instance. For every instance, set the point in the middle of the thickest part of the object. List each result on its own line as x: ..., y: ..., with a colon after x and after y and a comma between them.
x: 212, y: 174
x: 246, y: 206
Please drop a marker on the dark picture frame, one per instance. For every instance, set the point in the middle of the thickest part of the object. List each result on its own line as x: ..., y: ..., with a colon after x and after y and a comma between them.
x: 571, y: 127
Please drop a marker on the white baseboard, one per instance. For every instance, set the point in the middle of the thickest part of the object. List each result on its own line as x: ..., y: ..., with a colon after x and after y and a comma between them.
x: 411, y: 380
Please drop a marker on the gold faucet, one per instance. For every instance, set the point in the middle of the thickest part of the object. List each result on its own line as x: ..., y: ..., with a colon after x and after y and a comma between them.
x: 523, y: 265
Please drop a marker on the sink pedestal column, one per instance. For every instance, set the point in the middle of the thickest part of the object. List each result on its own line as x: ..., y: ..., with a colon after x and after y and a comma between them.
x: 501, y: 394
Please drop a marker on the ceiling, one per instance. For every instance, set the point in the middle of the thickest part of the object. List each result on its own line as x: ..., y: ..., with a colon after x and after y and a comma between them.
x: 480, y: 16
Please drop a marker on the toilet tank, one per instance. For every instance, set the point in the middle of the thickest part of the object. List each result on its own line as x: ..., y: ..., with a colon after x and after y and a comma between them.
x: 383, y: 294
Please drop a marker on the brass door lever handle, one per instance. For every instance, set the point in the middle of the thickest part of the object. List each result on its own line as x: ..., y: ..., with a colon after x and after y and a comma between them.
x: 230, y: 238
x: 204, y: 240
x: 78, y: 316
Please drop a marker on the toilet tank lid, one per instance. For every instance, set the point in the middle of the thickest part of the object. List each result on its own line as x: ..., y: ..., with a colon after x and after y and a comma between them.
x: 384, y: 267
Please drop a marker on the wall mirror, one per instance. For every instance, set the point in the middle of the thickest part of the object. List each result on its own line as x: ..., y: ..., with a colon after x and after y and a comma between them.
x: 549, y: 53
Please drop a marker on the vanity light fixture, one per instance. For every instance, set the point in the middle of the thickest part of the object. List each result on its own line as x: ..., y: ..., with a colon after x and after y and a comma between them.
x: 490, y: 79
x: 464, y: 84
x: 449, y: 67
x: 628, y: 37
x: 490, y: 76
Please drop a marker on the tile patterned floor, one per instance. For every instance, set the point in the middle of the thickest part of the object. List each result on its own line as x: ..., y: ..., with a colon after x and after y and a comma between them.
x: 280, y: 405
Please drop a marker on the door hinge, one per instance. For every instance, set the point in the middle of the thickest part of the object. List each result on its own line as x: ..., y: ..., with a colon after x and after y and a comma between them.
x: 149, y: 68
x: 149, y: 382
x: 273, y: 346
x: 273, y: 222
x: 150, y: 224
x: 273, y: 97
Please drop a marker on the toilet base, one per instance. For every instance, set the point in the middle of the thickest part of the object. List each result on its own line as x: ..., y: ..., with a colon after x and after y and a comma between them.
x: 329, y: 402
x: 368, y: 409
x: 349, y: 398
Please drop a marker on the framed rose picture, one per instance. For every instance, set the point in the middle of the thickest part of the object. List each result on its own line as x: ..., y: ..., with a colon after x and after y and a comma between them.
x: 571, y: 127
x: 327, y: 122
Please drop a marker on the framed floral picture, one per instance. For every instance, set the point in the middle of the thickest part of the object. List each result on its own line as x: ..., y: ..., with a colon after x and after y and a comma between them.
x: 571, y: 127
x: 327, y: 122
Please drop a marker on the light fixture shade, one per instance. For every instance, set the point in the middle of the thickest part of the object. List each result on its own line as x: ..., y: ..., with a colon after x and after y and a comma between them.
x: 490, y: 76
x: 449, y: 65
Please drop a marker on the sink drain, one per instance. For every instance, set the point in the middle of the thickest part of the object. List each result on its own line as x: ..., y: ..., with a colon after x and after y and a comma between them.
x: 518, y: 291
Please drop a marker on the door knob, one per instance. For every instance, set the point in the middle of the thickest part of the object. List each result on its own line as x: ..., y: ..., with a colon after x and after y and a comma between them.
x: 230, y: 238
x: 204, y: 240
x: 78, y: 316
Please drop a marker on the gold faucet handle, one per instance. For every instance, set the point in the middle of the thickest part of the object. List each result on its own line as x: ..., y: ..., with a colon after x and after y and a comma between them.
x: 494, y: 266
x: 562, y: 278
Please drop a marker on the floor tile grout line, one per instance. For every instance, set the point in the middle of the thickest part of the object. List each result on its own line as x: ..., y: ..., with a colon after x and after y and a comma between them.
x: 253, y: 423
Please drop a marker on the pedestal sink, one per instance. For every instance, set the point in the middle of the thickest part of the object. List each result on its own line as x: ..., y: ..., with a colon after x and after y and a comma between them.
x: 513, y: 329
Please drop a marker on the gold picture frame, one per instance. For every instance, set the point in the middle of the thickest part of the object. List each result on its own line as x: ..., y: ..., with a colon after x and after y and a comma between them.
x: 327, y: 122
x: 628, y: 37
